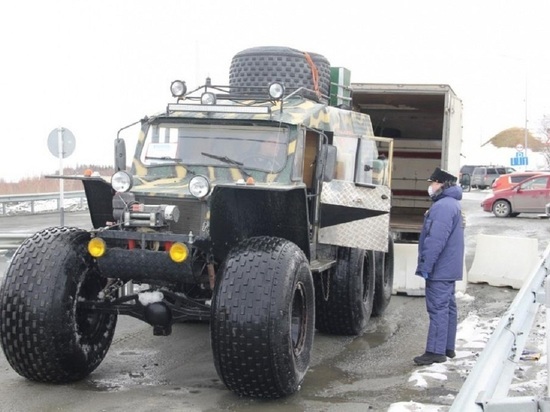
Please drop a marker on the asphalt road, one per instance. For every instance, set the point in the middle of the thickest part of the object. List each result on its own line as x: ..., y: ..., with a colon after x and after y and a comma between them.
x: 143, y: 372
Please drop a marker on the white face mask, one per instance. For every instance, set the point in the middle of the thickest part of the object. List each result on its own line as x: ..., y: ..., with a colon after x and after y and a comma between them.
x: 430, y: 190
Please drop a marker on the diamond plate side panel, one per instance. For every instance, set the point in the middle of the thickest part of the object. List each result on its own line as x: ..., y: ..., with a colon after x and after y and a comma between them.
x: 344, y: 193
x: 371, y: 233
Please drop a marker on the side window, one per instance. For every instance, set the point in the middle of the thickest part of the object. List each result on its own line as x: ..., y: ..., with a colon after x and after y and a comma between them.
x: 345, y: 158
x: 491, y: 171
x: 371, y: 168
x: 536, y: 184
x: 517, y: 179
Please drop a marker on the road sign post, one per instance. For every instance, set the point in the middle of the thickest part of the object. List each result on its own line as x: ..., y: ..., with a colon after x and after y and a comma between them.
x: 61, y: 143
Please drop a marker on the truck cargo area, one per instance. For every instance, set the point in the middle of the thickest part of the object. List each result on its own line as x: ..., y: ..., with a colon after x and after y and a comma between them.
x: 425, y: 122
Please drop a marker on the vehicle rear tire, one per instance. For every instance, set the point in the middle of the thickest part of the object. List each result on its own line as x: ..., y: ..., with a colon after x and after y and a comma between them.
x: 384, y: 280
x: 260, y: 66
x: 45, y: 336
x: 502, y: 208
x: 263, y: 315
x: 344, y: 300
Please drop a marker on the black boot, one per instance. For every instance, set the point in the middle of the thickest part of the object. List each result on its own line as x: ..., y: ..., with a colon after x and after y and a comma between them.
x: 450, y: 353
x: 428, y: 358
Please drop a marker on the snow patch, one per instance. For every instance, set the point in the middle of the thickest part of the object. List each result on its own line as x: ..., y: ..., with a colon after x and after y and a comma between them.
x: 146, y: 298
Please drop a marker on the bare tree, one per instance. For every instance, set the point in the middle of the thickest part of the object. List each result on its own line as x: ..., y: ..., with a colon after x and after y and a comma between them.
x: 545, y: 133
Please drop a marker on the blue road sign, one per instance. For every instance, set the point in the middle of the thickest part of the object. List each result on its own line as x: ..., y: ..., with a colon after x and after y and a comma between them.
x: 519, y: 160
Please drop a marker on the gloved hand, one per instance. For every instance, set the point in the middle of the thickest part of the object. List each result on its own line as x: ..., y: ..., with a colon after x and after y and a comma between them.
x: 425, y: 275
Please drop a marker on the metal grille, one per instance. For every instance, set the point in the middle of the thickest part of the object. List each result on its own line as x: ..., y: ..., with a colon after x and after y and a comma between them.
x: 192, y: 213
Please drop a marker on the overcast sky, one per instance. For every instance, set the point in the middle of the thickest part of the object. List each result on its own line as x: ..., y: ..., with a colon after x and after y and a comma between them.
x: 96, y: 66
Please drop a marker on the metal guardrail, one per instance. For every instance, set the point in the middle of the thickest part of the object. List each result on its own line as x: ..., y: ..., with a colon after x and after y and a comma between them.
x: 486, y: 387
x: 10, y: 241
x: 32, y: 198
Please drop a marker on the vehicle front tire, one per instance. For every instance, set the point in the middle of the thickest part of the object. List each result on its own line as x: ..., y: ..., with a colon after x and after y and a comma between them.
x: 502, y: 208
x: 45, y: 336
x: 344, y: 295
x: 263, y: 315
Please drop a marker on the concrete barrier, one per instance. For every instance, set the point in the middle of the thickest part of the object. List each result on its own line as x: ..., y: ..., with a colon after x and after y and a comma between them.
x: 503, y: 260
x: 404, y: 279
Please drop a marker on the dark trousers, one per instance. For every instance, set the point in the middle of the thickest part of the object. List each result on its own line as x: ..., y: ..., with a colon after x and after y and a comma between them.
x: 441, y: 306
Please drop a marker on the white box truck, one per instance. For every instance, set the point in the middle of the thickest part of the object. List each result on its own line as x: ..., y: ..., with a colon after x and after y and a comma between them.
x: 425, y: 123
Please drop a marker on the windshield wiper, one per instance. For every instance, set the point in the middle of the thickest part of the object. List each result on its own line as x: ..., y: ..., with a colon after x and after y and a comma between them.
x: 172, y: 159
x: 227, y: 160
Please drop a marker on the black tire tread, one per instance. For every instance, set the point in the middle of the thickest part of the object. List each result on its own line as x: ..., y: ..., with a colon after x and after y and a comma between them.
x: 260, y: 66
x: 247, y: 334
x: 37, y: 311
x: 344, y: 312
x: 384, y: 280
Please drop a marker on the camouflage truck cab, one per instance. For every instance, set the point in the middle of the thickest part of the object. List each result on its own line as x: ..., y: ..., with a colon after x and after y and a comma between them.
x: 263, y: 213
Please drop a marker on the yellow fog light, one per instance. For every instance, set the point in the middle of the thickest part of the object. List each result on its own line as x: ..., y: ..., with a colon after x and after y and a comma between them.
x: 97, y: 247
x: 178, y: 252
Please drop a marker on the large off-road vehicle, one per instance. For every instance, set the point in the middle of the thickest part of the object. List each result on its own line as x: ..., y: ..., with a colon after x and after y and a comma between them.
x: 257, y: 207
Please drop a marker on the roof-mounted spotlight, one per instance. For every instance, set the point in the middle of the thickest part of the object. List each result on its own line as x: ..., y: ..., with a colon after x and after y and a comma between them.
x: 178, y: 88
x: 276, y: 90
x: 208, y: 98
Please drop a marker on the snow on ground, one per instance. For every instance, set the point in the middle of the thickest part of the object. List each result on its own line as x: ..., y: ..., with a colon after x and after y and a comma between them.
x: 531, y: 377
x: 70, y: 205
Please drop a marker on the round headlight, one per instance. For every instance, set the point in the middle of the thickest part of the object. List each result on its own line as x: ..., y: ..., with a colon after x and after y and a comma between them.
x: 276, y: 90
x: 178, y: 88
x: 121, y: 181
x: 208, y: 98
x: 199, y: 186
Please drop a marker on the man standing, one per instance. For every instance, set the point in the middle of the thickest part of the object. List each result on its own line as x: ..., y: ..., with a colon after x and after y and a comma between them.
x: 440, y: 262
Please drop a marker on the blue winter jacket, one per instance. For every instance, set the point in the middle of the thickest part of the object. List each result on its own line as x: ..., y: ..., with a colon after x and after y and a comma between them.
x: 441, y: 244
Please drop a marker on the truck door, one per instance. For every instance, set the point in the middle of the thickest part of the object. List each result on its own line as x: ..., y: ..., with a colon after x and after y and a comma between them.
x: 354, y: 211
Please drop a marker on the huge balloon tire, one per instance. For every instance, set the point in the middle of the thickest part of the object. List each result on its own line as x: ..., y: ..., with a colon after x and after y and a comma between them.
x: 45, y: 336
x: 260, y: 66
x: 384, y: 280
x: 344, y: 295
x: 263, y: 315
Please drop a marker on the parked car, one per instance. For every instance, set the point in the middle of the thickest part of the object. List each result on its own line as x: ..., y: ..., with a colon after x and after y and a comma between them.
x: 465, y: 175
x: 530, y: 196
x: 484, y: 176
x: 510, y: 179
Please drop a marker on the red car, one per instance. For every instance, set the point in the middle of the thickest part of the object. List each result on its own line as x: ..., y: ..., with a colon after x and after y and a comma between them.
x: 530, y: 196
x: 510, y: 179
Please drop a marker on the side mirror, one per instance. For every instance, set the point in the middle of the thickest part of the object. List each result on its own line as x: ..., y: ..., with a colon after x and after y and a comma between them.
x: 120, y: 154
x: 326, y: 168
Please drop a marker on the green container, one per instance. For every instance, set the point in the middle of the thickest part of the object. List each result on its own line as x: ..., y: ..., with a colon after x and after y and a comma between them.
x: 340, y: 91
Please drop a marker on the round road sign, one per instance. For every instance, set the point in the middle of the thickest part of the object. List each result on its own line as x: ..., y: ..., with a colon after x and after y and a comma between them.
x: 68, y: 142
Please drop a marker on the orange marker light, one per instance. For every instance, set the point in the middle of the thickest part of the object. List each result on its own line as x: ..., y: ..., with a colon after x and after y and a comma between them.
x: 178, y: 252
x: 97, y: 247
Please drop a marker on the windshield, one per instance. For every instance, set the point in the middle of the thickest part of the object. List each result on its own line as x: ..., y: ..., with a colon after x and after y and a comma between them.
x: 250, y: 147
